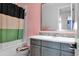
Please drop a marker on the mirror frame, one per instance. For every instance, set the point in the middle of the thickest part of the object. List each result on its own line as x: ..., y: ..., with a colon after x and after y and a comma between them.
x: 58, y: 16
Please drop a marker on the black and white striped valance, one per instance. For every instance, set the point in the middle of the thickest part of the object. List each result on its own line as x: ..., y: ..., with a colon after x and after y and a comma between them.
x: 12, y: 10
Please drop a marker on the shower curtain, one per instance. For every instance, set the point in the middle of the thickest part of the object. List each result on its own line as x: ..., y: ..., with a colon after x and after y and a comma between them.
x: 11, y: 22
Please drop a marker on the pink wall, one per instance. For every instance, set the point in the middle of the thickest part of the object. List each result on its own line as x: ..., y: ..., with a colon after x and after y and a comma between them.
x: 33, y: 18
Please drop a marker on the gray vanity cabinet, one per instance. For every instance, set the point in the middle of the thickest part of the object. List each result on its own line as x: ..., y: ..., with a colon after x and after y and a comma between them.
x: 67, y: 50
x: 50, y: 48
x: 35, y: 47
x: 55, y: 45
x: 66, y: 47
x: 50, y: 52
x: 64, y: 53
x: 47, y: 48
x: 35, y: 50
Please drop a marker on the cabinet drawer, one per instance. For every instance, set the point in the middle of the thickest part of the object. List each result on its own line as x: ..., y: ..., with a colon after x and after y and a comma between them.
x: 51, y: 44
x: 63, y: 53
x: 35, y: 42
x: 35, y: 50
x: 50, y: 52
x: 66, y: 47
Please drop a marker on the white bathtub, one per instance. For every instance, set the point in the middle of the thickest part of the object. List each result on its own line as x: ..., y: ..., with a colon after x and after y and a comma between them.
x: 9, y: 48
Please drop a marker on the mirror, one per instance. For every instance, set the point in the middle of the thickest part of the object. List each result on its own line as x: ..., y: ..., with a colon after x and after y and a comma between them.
x: 58, y: 16
x: 66, y: 22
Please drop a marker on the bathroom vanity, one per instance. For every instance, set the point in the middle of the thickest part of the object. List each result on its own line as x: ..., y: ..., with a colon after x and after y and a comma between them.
x: 52, y: 46
x: 58, y: 31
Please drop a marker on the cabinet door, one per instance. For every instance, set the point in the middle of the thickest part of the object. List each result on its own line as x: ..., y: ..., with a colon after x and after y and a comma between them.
x: 35, y: 50
x: 50, y: 52
x: 63, y: 53
x: 66, y: 47
x: 55, y: 45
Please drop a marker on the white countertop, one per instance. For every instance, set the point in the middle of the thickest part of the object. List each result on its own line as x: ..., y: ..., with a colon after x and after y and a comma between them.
x: 54, y: 39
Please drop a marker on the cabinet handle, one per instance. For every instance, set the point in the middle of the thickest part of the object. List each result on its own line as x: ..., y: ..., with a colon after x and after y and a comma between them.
x: 73, y: 46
